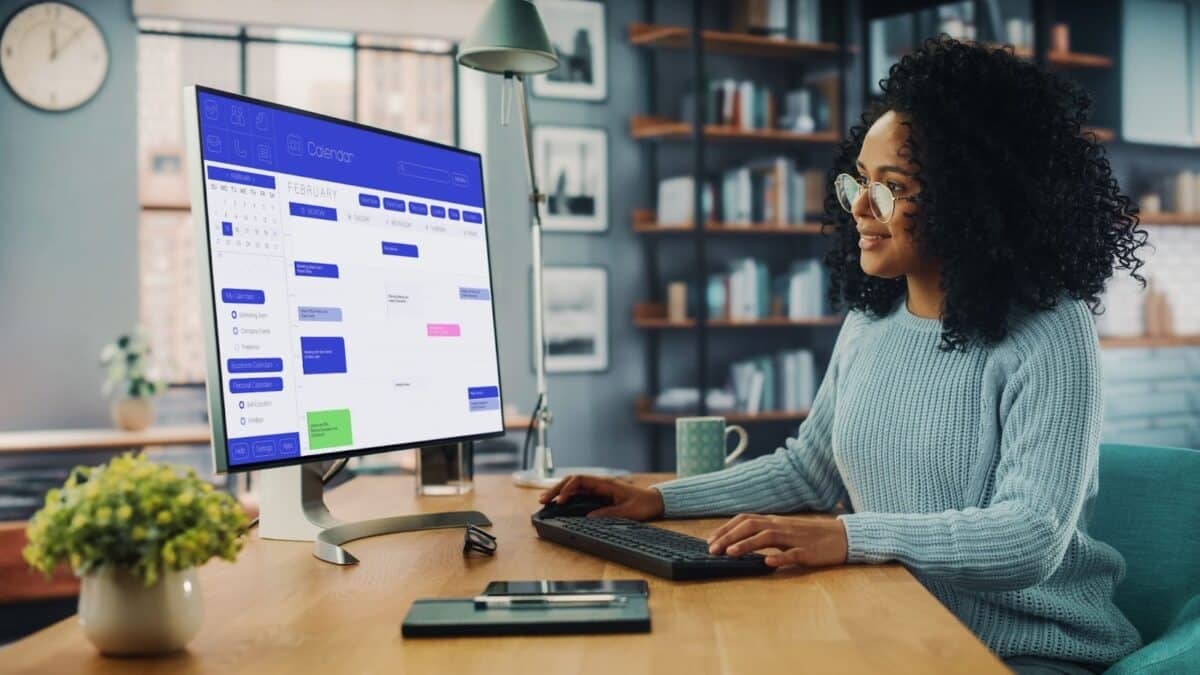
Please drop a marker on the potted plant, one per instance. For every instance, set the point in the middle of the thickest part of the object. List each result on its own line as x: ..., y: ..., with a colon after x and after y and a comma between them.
x: 125, y: 361
x: 134, y: 532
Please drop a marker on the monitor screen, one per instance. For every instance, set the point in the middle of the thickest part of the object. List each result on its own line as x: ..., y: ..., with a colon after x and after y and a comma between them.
x: 350, y: 285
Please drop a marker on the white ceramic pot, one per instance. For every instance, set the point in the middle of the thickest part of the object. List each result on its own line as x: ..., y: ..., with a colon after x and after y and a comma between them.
x: 121, y: 616
x: 133, y: 414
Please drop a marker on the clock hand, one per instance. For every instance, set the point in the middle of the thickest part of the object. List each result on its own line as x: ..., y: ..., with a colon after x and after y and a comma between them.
x: 70, y: 40
x: 53, y: 44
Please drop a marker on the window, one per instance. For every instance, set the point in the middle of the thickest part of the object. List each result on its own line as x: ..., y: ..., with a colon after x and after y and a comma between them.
x: 401, y: 84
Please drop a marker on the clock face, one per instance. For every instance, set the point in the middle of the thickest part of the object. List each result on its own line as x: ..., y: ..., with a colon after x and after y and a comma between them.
x: 53, y: 56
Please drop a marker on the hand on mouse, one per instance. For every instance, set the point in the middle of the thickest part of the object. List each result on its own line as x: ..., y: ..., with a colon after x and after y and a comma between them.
x: 628, y: 501
x: 813, y: 542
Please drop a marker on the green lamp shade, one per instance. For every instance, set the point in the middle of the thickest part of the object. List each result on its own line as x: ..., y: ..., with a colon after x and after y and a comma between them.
x: 510, y: 38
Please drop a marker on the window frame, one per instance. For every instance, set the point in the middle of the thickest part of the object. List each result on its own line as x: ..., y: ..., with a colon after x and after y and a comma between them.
x: 243, y: 38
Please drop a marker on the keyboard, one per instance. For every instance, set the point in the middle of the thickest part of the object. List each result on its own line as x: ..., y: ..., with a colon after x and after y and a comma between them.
x: 660, y: 552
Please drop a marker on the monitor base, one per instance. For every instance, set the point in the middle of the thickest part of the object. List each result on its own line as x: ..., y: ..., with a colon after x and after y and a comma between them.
x: 292, y: 507
x: 533, y: 478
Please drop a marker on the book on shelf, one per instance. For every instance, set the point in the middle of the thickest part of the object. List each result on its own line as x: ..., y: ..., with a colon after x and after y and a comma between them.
x: 750, y: 106
x: 686, y: 401
x: 780, y: 19
x: 784, y: 381
x: 770, y: 190
x: 767, y: 191
x: 747, y: 293
x: 676, y: 200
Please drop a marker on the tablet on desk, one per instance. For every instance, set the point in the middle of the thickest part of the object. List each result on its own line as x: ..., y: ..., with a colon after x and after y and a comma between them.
x: 445, y: 617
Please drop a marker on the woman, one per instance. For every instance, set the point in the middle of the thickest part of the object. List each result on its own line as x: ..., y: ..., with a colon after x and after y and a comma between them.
x: 958, y: 422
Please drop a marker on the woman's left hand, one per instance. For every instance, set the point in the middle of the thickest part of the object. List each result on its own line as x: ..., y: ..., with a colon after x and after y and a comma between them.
x: 813, y: 542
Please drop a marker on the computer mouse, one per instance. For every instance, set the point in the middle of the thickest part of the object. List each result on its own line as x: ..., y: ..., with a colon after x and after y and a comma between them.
x: 575, y: 507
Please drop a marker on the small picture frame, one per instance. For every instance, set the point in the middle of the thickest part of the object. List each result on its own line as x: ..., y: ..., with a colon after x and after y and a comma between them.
x: 572, y: 169
x: 576, y: 318
x: 577, y: 31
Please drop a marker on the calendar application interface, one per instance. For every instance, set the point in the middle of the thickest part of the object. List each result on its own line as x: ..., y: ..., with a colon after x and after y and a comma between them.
x: 351, y: 284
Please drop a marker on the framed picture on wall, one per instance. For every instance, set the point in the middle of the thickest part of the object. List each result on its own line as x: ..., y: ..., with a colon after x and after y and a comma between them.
x: 576, y: 29
x: 576, y: 318
x: 572, y: 166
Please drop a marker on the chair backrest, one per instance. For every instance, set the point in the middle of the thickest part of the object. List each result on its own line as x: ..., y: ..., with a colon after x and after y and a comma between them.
x: 1148, y: 508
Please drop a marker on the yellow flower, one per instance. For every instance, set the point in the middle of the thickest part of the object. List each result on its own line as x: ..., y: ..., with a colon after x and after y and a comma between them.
x: 143, y: 503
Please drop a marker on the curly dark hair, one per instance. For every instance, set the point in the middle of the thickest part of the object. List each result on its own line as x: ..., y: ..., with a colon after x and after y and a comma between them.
x: 1019, y: 203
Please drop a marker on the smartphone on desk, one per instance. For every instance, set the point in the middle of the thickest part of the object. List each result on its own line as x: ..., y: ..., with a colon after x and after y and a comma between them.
x: 616, y: 586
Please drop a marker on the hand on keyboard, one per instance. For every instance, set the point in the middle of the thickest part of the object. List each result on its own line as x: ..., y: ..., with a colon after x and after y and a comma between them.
x: 628, y: 501
x: 813, y: 542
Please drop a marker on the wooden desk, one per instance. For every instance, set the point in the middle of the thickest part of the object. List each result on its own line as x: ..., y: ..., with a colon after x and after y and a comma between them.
x: 279, y: 610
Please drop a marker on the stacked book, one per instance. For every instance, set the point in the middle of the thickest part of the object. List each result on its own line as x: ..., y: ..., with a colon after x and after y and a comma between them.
x: 780, y: 19
x: 768, y: 191
x: 786, y: 381
x: 746, y: 292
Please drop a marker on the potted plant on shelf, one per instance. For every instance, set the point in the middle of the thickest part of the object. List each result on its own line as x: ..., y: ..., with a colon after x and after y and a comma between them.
x: 134, y: 532
x: 125, y: 361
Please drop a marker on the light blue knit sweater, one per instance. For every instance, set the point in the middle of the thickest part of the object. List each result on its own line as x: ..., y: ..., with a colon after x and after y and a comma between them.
x: 975, y: 469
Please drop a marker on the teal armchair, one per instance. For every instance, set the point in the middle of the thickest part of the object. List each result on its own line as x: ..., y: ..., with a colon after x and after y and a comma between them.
x: 1148, y: 508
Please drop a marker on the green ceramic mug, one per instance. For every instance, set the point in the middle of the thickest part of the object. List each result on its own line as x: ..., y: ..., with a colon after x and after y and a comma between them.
x: 700, y: 445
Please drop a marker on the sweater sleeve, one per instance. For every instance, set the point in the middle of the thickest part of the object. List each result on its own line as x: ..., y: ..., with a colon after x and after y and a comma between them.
x: 1048, y: 456
x: 800, y: 476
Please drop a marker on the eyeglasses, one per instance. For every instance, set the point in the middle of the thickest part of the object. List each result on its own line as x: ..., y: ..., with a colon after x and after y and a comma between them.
x: 880, y: 196
x: 479, y: 541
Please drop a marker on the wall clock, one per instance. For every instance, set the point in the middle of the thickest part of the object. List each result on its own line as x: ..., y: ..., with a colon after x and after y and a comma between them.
x: 53, y: 56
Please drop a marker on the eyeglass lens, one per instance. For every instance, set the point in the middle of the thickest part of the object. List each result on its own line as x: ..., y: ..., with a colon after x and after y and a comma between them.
x: 881, y: 199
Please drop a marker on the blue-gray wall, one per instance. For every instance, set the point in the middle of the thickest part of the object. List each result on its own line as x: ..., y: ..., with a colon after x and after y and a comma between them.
x: 593, y: 412
x: 68, y: 238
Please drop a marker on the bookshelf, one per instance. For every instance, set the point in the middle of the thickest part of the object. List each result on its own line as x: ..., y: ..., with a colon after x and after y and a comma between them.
x: 668, y: 138
x: 644, y: 412
x: 645, y: 222
x: 653, y: 316
x: 653, y: 128
x: 1062, y: 59
x: 1168, y: 218
x: 1077, y: 60
x: 1103, y: 134
x: 1150, y: 341
x: 724, y: 42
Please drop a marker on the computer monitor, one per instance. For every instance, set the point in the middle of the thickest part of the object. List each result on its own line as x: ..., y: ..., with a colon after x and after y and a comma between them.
x: 346, y: 286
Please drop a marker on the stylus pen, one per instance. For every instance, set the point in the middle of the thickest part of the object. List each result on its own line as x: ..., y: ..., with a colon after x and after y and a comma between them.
x: 535, y: 601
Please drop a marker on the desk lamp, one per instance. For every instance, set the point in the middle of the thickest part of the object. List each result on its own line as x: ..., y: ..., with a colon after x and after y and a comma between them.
x: 510, y: 40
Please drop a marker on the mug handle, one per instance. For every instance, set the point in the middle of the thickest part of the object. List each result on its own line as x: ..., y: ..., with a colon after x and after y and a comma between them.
x: 741, y: 446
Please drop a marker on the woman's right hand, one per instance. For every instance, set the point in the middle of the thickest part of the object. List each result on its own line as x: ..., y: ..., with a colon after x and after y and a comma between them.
x: 628, y: 501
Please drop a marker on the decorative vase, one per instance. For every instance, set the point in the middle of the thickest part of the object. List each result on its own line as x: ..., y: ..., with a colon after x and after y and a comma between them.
x: 133, y: 414
x: 122, y: 616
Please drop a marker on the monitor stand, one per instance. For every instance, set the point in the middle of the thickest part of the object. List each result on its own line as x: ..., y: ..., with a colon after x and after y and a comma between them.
x: 292, y: 507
